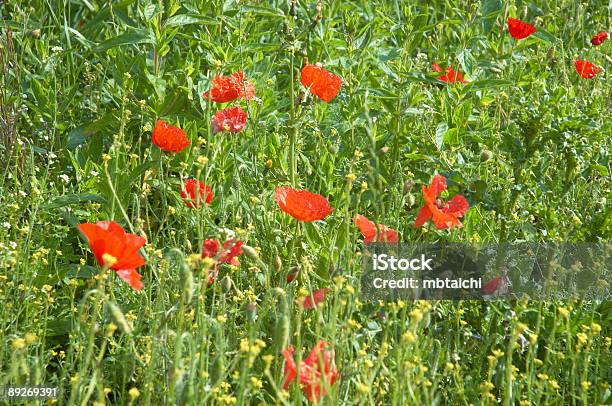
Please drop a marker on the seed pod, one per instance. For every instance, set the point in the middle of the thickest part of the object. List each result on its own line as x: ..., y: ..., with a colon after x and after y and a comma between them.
x: 35, y: 33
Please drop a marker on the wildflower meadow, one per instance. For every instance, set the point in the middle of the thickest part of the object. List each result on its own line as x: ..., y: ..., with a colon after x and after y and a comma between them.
x: 190, y: 189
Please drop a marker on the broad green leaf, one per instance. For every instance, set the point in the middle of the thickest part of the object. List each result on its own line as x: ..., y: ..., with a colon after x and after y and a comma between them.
x: 71, y: 199
x: 490, y: 9
x: 440, y: 132
x: 134, y: 37
x: 186, y: 19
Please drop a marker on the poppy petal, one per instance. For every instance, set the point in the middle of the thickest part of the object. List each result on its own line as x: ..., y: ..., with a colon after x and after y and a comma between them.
x: 519, y: 29
x: 302, y: 204
x: 457, y: 206
x: 422, y: 217
x: 320, y: 82
x: 586, y: 69
x: 232, y: 119
x: 169, y: 138
x: 132, y: 277
x: 317, y: 297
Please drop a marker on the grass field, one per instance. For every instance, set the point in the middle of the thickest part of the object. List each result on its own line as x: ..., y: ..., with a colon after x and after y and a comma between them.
x: 525, y: 139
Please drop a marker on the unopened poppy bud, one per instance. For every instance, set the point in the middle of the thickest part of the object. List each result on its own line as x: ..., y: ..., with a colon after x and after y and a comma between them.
x: 188, y: 285
x: 486, y: 155
x: 251, y: 309
x: 333, y: 149
x: 410, y: 200
x: 293, y: 273
x: 226, y: 284
x: 119, y: 318
x: 217, y: 371
x: 250, y: 252
x: 278, y: 263
x: 408, y: 185
x: 383, y: 150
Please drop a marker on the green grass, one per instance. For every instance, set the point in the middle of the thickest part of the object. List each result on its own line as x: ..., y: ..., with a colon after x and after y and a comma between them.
x: 84, y: 79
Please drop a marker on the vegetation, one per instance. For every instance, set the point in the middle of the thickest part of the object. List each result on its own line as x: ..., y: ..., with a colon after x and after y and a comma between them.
x: 525, y: 139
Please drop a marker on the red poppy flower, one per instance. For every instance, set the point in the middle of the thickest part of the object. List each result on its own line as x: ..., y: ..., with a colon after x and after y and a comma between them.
x: 519, y: 29
x: 227, y: 255
x: 318, y: 296
x: 228, y: 88
x: 586, y: 69
x: 302, y: 204
x: 193, y: 192
x: 108, y: 239
x: 169, y: 138
x: 232, y: 119
x: 599, y: 38
x: 451, y: 75
x: 320, y: 82
x: 368, y: 229
x: 497, y: 285
x: 317, y: 372
x: 445, y: 215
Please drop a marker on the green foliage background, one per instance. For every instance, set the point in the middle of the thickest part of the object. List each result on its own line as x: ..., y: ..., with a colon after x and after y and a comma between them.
x: 84, y: 79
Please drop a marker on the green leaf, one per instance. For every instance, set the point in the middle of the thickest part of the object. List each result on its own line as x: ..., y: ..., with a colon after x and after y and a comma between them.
x: 186, y: 19
x: 81, y: 271
x: 70, y: 199
x: 440, y: 132
x: 263, y: 11
x: 133, y: 37
x: 451, y: 137
x: 490, y: 9
x: 545, y: 36
x: 486, y: 84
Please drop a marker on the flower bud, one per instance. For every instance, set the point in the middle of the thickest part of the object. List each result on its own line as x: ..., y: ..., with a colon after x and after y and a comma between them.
x: 278, y: 263
x: 408, y: 185
x: 251, y: 310
x: 293, y: 273
x: 410, y: 200
x: 383, y: 150
x: 226, y: 284
x: 250, y: 252
x: 486, y: 155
